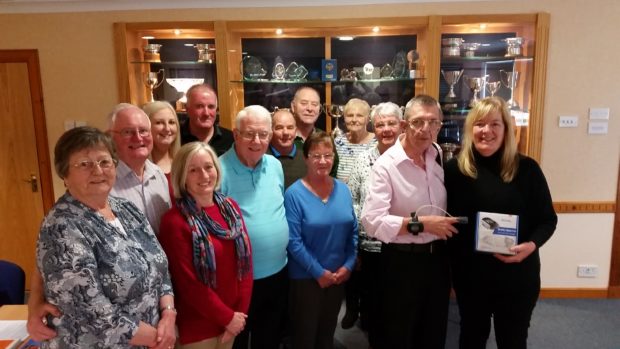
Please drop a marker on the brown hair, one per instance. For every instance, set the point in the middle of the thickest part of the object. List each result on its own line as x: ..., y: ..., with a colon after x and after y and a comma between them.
x: 78, y: 139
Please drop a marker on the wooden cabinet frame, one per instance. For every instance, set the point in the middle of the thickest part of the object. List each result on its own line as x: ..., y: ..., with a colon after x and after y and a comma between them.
x: 228, y: 36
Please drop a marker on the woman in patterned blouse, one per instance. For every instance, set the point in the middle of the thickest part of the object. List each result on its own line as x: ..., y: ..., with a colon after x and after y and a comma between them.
x: 100, y: 261
x: 387, y: 121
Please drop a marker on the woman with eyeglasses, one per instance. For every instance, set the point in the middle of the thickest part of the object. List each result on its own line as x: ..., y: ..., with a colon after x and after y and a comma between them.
x: 98, y: 256
x: 322, y: 246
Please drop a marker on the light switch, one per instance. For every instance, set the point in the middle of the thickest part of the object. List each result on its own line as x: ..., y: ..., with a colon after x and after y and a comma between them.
x: 597, y: 127
x: 599, y: 113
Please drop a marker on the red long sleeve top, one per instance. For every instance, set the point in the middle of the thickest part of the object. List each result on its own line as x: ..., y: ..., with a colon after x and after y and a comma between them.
x: 203, y: 312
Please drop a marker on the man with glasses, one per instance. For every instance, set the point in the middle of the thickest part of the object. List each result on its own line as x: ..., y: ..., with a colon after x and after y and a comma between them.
x: 256, y: 181
x: 283, y: 146
x: 405, y: 210
x: 201, y: 124
x: 137, y: 178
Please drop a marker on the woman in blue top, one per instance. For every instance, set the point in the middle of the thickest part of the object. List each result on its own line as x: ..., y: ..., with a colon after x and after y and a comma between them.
x: 322, y: 246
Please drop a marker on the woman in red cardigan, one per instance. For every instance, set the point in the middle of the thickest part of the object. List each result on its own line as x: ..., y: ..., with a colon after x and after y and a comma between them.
x: 209, y: 252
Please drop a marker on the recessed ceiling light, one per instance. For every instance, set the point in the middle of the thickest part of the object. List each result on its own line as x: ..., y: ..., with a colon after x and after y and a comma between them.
x: 148, y: 37
x: 189, y: 45
x: 375, y: 29
x: 483, y: 26
x: 279, y: 31
x: 177, y: 32
x: 345, y: 38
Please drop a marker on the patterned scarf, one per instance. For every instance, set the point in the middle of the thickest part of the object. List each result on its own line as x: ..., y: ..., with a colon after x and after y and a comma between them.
x: 202, y: 227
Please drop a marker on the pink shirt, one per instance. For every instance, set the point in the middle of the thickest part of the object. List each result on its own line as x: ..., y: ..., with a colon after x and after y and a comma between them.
x: 399, y: 187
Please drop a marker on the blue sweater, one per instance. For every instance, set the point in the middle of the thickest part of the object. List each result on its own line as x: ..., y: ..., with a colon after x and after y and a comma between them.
x: 322, y: 236
x: 259, y: 193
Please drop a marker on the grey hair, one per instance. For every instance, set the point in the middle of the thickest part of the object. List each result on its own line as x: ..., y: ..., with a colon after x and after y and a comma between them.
x: 423, y: 100
x: 253, y: 110
x: 119, y: 108
x: 386, y: 109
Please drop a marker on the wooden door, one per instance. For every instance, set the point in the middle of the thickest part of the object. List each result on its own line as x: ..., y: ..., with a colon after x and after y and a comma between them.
x: 25, y: 177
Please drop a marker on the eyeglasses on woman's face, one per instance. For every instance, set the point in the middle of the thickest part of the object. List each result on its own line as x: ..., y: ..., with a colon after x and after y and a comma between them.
x: 89, y: 165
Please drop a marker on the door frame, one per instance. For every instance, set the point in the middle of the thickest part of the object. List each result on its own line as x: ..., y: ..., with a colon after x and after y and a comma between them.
x: 31, y: 58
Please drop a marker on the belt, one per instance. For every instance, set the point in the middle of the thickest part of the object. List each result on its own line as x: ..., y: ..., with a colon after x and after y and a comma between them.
x: 436, y: 246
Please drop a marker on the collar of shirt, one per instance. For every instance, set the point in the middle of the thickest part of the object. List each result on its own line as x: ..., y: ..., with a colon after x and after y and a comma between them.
x: 123, y: 170
x: 398, y: 152
x: 277, y: 154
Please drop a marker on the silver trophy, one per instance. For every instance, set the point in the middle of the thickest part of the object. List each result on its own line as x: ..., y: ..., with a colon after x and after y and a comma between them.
x: 335, y: 111
x: 513, y: 46
x: 452, y: 78
x: 152, y: 81
x: 510, y: 79
x: 493, y: 87
x: 475, y: 85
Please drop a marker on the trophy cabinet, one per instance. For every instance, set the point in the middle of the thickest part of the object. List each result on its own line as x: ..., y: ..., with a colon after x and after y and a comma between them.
x: 376, y: 59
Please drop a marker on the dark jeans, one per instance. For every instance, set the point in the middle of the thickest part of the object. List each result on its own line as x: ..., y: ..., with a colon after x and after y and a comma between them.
x: 370, y: 293
x: 264, y: 326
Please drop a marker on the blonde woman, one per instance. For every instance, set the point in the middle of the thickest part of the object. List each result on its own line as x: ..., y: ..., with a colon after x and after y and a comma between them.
x: 165, y: 132
x: 489, y: 175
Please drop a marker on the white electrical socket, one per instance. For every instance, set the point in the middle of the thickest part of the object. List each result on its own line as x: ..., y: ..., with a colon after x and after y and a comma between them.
x: 568, y: 121
x: 587, y: 271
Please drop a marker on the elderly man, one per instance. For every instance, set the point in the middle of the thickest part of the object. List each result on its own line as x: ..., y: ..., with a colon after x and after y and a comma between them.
x: 137, y: 180
x: 255, y: 180
x: 283, y: 146
x: 306, y: 107
x: 202, y: 124
x: 404, y: 209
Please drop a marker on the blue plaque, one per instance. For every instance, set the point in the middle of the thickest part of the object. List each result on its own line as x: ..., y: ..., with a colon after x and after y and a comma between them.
x: 329, y: 67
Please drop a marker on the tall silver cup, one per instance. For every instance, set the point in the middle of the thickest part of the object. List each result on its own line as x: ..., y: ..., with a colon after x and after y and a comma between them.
x: 152, y: 81
x: 475, y: 85
x: 493, y: 87
x: 452, y: 78
x: 510, y: 80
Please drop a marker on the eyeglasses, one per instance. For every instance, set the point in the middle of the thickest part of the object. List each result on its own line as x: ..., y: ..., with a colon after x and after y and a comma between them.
x: 130, y: 132
x: 390, y: 124
x: 251, y: 135
x: 89, y: 165
x: 318, y: 157
x: 417, y: 124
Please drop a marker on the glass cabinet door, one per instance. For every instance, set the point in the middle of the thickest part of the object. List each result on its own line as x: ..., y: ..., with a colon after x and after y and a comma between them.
x: 480, y: 60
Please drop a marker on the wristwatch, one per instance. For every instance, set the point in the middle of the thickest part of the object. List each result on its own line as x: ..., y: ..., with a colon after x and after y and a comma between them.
x: 414, y: 226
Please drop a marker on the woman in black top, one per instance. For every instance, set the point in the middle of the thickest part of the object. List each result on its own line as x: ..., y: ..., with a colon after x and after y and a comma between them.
x: 490, y: 176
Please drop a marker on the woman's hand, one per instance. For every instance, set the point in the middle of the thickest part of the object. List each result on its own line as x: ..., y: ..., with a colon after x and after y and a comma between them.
x: 166, y: 333
x: 341, y: 275
x: 236, y: 325
x: 327, y: 279
x: 522, y: 252
x: 439, y: 225
x: 37, y: 328
x: 226, y: 337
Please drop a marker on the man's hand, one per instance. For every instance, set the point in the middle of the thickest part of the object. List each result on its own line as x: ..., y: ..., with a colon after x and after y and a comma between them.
x: 342, y: 275
x: 327, y: 279
x: 439, y: 225
x: 37, y: 312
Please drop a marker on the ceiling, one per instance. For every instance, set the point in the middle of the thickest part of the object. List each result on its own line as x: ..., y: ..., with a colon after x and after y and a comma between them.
x: 49, y: 6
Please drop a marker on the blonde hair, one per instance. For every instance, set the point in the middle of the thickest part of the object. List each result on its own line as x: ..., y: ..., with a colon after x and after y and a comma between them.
x: 152, y: 108
x: 360, y: 104
x: 181, y: 163
x: 509, y: 162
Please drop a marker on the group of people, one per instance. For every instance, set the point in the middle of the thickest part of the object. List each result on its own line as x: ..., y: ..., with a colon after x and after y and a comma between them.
x: 241, y: 238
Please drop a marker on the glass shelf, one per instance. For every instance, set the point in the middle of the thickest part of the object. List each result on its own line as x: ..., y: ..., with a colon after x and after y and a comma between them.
x: 456, y: 59
x: 173, y: 64
x: 322, y: 82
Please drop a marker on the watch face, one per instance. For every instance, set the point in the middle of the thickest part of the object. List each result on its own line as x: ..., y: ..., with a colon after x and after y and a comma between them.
x: 414, y: 227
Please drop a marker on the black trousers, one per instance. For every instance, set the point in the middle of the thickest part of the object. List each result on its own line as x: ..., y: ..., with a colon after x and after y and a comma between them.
x: 416, y: 290
x: 314, y: 313
x: 264, y: 325
x: 370, y: 293
x: 487, y: 289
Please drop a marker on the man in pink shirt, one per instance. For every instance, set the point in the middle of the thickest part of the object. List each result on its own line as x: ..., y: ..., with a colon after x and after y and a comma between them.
x: 404, y: 209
